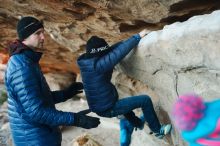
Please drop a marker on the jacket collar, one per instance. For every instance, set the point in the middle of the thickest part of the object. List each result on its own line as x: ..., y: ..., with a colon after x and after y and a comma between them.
x: 34, y: 56
x: 18, y: 47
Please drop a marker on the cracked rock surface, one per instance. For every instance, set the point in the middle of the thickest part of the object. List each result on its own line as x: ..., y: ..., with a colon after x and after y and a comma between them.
x: 180, y: 55
x: 181, y: 58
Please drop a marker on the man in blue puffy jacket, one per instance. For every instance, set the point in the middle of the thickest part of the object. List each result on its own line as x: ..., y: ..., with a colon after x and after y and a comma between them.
x: 96, y: 66
x: 33, y: 118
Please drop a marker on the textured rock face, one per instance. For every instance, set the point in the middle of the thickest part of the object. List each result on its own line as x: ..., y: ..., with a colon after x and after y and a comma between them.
x: 69, y: 23
x: 171, y: 60
x: 181, y: 58
x: 72, y: 22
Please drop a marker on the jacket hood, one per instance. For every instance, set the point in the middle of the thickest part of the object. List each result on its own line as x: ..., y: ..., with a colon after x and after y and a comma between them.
x: 16, y: 47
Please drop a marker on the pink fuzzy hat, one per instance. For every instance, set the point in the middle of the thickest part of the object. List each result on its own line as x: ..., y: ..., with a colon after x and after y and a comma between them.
x: 187, y: 111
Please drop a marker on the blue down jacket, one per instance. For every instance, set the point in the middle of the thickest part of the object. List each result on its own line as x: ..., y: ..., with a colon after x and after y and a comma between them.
x: 96, y: 75
x: 33, y: 117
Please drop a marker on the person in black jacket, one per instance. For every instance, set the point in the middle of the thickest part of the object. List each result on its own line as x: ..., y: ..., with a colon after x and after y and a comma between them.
x: 96, y: 66
x: 33, y: 118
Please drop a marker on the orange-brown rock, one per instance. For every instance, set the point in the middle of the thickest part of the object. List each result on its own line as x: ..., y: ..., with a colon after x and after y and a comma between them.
x: 70, y: 23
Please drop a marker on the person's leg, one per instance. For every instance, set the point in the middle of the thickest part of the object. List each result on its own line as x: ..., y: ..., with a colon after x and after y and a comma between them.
x: 134, y: 120
x: 126, y: 105
x: 126, y: 130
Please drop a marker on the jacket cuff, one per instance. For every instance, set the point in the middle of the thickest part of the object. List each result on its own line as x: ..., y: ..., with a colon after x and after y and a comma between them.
x: 137, y: 37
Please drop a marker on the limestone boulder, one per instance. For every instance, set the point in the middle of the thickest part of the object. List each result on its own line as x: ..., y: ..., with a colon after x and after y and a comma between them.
x: 181, y: 58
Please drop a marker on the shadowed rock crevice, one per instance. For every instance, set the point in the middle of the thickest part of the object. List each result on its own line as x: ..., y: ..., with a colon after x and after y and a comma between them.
x: 176, y: 83
x: 182, y: 18
x: 187, y: 5
x: 80, y: 10
x: 191, y: 68
x: 137, y: 25
x: 156, y: 71
x: 186, y: 9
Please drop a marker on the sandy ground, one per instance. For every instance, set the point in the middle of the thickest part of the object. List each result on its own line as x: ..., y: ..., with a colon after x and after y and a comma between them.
x: 107, y: 133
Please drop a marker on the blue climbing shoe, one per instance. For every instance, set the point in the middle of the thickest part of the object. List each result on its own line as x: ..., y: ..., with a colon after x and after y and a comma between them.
x: 164, y: 130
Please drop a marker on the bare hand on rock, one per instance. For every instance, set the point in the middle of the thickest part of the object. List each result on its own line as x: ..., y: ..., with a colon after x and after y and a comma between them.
x: 144, y: 33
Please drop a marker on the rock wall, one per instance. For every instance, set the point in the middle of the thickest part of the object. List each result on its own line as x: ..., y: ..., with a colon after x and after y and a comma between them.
x: 69, y: 23
x: 180, y: 58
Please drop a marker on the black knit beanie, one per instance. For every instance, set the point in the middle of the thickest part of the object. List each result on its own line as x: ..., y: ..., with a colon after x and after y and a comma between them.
x: 27, y: 26
x: 96, y: 46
